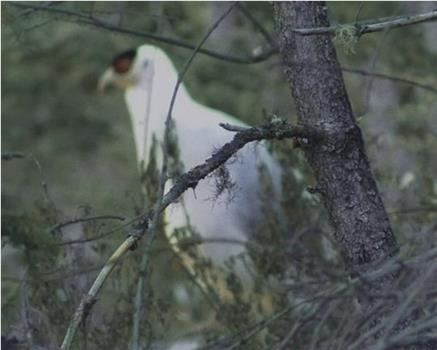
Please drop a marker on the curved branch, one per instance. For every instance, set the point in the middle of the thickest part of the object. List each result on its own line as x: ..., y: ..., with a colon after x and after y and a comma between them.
x: 255, y: 58
x: 91, y: 218
x: 92, y: 21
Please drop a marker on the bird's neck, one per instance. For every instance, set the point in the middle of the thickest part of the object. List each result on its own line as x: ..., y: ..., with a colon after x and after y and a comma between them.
x: 149, y: 107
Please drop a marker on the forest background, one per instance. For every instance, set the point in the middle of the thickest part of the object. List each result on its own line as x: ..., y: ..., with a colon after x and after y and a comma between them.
x: 68, y: 152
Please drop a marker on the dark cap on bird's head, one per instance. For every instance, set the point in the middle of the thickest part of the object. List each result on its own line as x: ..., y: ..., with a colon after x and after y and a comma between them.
x: 123, y: 61
x: 136, y: 68
x: 117, y: 73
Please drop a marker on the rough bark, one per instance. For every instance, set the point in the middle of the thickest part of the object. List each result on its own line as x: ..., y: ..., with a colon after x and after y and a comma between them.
x: 339, y: 161
x: 338, y: 157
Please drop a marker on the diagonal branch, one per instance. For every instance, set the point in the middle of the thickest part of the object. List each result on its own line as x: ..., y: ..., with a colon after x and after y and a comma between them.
x: 275, y: 130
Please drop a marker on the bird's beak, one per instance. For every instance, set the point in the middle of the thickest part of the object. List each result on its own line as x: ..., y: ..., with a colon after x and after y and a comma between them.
x: 105, y: 80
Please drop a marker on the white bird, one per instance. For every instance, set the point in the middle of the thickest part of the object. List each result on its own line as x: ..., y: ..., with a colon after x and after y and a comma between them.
x: 149, y: 78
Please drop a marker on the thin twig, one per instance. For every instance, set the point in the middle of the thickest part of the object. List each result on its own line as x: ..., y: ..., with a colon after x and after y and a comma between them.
x: 397, y: 314
x: 372, y: 70
x: 91, y: 218
x: 325, y: 296
x: 25, y: 311
x: 412, y: 210
x: 19, y: 155
x: 243, y: 9
x: 92, y: 21
x: 309, y: 315
x: 390, y: 77
x: 318, y: 328
x: 104, y: 234
x: 250, y: 331
x: 357, y: 15
x: 44, y: 183
x: 384, y: 76
x: 402, y: 311
x: 139, y: 301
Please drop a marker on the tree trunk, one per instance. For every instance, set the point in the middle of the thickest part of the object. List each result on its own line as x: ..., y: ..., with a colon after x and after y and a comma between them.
x: 339, y: 161
x: 342, y: 170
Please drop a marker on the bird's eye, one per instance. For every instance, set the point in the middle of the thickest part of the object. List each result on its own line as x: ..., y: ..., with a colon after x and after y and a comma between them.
x: 145, y: 64
x: 122, y: 65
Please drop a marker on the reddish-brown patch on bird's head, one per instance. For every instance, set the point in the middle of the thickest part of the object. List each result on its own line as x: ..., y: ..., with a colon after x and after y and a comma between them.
x: 123, y: 62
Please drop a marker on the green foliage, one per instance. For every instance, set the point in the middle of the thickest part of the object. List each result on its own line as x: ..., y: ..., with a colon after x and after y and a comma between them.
x: 27, y: 231
x: 50, y: 67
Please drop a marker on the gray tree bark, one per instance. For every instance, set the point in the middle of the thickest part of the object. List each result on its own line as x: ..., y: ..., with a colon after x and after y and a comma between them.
x: 337, y: 156
x: 339, y: 161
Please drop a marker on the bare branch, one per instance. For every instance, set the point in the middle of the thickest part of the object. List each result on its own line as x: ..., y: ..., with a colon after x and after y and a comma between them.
x: 102, y: 235
x: 413, y: 210
x: 390, y: 77
x: 186, y: 181
x: 18, y: 155
x: 91, y: 218
x: 371, y: 78
x: 364, y: 27
x: 92, y: 21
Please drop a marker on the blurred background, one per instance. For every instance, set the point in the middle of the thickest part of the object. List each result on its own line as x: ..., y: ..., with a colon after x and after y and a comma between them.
x: 68, y: 152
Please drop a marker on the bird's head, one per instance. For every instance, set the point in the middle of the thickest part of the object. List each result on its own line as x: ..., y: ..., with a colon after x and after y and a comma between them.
x: 136, y: 68
x: 148, y: 78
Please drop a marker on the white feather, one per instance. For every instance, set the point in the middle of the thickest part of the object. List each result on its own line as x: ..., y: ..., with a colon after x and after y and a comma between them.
x: 199, y: 135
